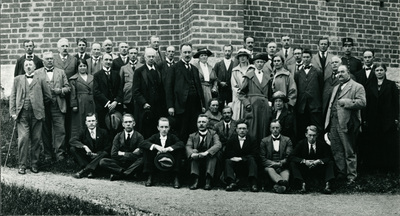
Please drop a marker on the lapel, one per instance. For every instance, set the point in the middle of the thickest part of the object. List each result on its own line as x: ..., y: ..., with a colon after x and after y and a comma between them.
x: 145, y: 74
x: 317, y: 60
x: 181, y: 67
x: 196, y: 140
x: 55, y: 75
x: 328, y: 58
x: 252, y: 76
x: 86, y: 83
x: 282, y: 146
x: 208, y: 139
x: 33, y: 83
x: 67, y: 62
x: 270, y: 146
x: 345, y: 89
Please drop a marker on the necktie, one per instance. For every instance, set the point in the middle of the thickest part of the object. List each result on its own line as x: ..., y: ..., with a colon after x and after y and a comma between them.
x: 275, y: 139
x: 202, y: 137
x: 92, y: 134
x: 128, y: 139
x: 312, y: 151
x: 227, y: 130
x: 286, y: 54
x: 29, y: 77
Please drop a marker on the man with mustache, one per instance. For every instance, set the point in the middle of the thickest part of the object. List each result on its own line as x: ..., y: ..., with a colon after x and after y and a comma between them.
x: 63, y: 59
x: 29, y: 47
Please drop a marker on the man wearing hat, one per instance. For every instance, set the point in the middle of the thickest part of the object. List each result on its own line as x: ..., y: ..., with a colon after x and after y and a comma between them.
x: 126, y: 156
x: 351, y: 62
x: 281, y: 113
x: 201, y: 149
x: 163, y: 151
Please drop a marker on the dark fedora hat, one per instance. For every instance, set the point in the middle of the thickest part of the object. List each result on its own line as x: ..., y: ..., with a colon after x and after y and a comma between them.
x: 113, y: 120
x: 243, y: 52
x: 164, y: 161
x: 280, y: 95
x: 202, y: 50
x: 262, y: 56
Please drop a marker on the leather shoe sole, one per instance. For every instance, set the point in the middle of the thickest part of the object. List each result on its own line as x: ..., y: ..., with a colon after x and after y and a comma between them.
x: 34, y: 170
x: 22, y: 171
x: 207, y: 187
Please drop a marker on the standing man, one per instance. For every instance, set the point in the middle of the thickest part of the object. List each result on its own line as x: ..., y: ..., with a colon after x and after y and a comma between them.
x: 269, y: 65
x: 107, y: 91
x: 96, y: 61
x: 53, y: 133
x: 155, y: 44
x: 63, y: 60
x: 223, y: 70
x: 167, y: 64
x: 29, y: 95
x: 330, y: 83
x: 322, y: 60
x: 126, y: 156
x: 343, y: 121
x: 108, y: 48
x: 201, y: 149
x: 296, y: 65
x: 249, y: 45
x: 287, y: 51
x: 366, y: 74
x: 122, y: 59
x: 149, y: 95
x: 185, y: 98
x: 89, y: 147
x: 351, y: 62
x: 126, y: 74
x: 29, y: 47
x: 82, y: 45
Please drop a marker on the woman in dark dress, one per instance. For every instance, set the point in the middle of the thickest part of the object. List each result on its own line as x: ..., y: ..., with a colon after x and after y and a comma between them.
x: 286, y: 118
x: 382, y: 118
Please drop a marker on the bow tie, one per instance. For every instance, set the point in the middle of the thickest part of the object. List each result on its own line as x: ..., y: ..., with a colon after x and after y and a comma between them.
x: 152, y: 68
x: 242, y: 138
x: 95, y: 59
x: 49, y: 70
x: 307, y: 67
x: 29, y: 57
x: 29, y: 77
x: 368, y: 68
x: 275, y: 139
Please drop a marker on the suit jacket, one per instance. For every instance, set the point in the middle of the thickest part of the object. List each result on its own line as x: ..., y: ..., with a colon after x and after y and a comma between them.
x: 59, y: 81
x: 165, y: 70
x: 220, y: 130
x: 39, y: 94
x: 309, y: 88
x: 129, y: 148
x: 249, y: 149
x: 118, y: 63
x: 361, y: 77
x: 104, y: 91
x: 290, y: 58
x: 69, y: 66
x: 316, y: 62
x: 251, y: 85
x: 172, y: 141
x: 224, y: 75
x: 353, y: 98
x: 92, y: 69
x: 287, y: 122
x: 212, y: 143
x: 302, y: 151
x: 19, y: 67
x: 85, y: 56
x: 177, y: 87
x: 267, y: 150
x: 102, y: 142
x: 126, y: 73
x: 159, y: 58
x: 329, y: 84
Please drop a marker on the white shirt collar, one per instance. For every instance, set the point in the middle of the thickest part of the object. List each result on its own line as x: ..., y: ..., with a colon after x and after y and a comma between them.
x: 126, y: 133
x: 150, y: 67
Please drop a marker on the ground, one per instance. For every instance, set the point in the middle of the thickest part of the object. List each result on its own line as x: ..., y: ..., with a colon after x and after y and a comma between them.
x: 131, y: 197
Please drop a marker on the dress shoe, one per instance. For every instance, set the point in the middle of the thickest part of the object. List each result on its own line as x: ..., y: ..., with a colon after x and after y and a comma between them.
x: 22, y: 171
x: 208, y: 184
x: 327, y: 189
x: 303, y: 188
x: 176, y: 183
x: 149, y: 181
x: 283, y: 183
x: 34, y: 169
x: 350, y: 182
x: 195, y: 185
x: 80, y: 174
x: 90, y: 175
x: 115, y: 177
x: 279, y: 189
x: 231, y: 187
x: 254, y: 188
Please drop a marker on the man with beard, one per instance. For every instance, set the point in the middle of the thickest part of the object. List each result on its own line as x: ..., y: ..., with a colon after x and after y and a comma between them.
x: 223, y: 70
x: 29, y: 47
x: 82, y: 44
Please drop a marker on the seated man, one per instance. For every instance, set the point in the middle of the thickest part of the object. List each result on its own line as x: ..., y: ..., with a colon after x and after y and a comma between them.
x: 162, y: 143
x: 201, y: 149
x: 126, y: 156
x: 89, y: 146
x: 240, y: 155
x: 311, y: 158
x: 213, y: 114
x: 274, y: 152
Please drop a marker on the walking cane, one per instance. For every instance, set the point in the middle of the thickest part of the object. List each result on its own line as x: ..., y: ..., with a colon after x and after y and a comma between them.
x: 9, y: 146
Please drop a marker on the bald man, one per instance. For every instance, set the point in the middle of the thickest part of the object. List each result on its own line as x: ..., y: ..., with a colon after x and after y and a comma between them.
x: 96, y: 61
x: 108, y: 48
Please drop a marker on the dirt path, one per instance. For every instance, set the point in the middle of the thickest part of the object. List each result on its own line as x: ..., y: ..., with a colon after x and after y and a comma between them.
x: 123, y: 196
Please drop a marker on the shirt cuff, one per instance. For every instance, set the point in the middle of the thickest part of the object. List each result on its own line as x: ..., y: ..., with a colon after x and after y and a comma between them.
x: 152, y: 147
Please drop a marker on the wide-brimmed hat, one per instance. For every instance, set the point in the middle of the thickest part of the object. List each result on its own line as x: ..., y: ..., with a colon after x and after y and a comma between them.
x: 202, y: 50
x: 262, y: 56
x: 164, y: 161
x: 243, y: 52
x: 280, y: 95
x: 113, y: 120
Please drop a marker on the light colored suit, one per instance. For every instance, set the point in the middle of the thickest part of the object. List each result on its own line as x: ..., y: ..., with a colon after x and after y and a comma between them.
x: 126, y: 73
x: 290, y: 58
x: 69, y: 66
x: 92, y: 69
x: 315, y: 61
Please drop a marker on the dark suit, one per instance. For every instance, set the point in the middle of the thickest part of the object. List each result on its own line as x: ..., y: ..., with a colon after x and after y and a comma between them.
x: 101, y: 146
x: 166, y: 68
x: 148, y: 88
x: 248, y: 153
x: 224, y: 75
x: 105, y: 90
x: 302, y: 152
x: 118, y: 63
x: 185, y: 94
x: 132, y: 159
x: 353, y: 64
x: 19, y: 66
x: 69, y: 66
x: 287, y: 122
x: 85, y: 56
x: 329, y: 84
x: 149, y: 154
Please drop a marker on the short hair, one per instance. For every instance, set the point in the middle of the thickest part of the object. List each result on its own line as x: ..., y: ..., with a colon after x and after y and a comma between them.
x: 202, y: 116
x: 81, y: 61
x: 132, y: 48
x: 128, y: 115
x: 300, y: 48
x: 242, y: 121
x: 148, y: 49
x: 81, y: 40
x: 107, y: 40
x: 336, y: 56
x: 312, y: 128
x: 227, y: 107
x: 164, y: 119
x: 227, y: 45
x: 308, y: 52
x: 369, y: 50
x: 279, y: 56
x: 347, y: 68
x: 245, y: 38
x: 170, y: 46
x: 275, y: 121
x: 270, y: 42
x: 104, y: 54
x: 90, y: 114
x: 27, y: 41
x: 124, y: 43
x: 96, y: 43
x: 380, y: 64
x: 324, y: 38
x: 211, y: 100
x: 30, y: 60
x: 154, y: 36
x: 285, y: 35
x: 62, y: 40
x: 50, y: 53
x: 185, y: 44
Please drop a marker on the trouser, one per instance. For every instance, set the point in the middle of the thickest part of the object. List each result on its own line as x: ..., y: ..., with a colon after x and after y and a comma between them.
x: 186, y: 122
x: 53, y: 132
x: 301, y: 171
x: 85, y: 161
x: 277, y: 175
x: 121, y: 167
x: 232, y: 167
x: 208, y: 162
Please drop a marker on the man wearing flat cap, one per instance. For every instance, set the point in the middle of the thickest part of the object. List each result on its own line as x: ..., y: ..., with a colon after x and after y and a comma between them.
x: 351, y: 62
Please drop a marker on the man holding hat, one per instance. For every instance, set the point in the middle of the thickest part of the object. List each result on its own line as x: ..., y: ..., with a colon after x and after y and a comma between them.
x: 162, y: 151
x: 351, y: 62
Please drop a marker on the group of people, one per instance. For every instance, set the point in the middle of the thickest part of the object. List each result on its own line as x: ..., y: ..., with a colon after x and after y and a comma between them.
x: 288, y: 113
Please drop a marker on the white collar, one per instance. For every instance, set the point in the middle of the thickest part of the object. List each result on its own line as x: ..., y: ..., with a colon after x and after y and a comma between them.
x: 150, y: 67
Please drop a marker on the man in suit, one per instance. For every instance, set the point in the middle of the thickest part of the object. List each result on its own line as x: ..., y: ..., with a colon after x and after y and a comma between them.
x: 108, y: 48
x: 366, y: 74
x: 29, y: 47
x: 287, y: 51
x: 63, y: 60
x: 126, y: 156
x: 312, y: 158
x: 330, y: 83
x: 296, y: 65
x: 241, y: 153
x: 166, y: 65
x: 123, y: 57
x: 126, y: 73
x: 53, y: 132
x: 149, y: 95
x: 322, y: 60
x: 223, y: 70
x: 249, y: 45
x: 343, y: 121
x: 82, y: 45
x: 96, y: 61
x: 29, y: 95
x: 155, y: 44
x: 107, y: 91
x: 269, y: 66
x: 309, y: 83
x: 201, y: 149
x: 89, y: 146
x: 162, y: 142
x: 274, y: 153
x: 185, y: 98
x: 350, y: 61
